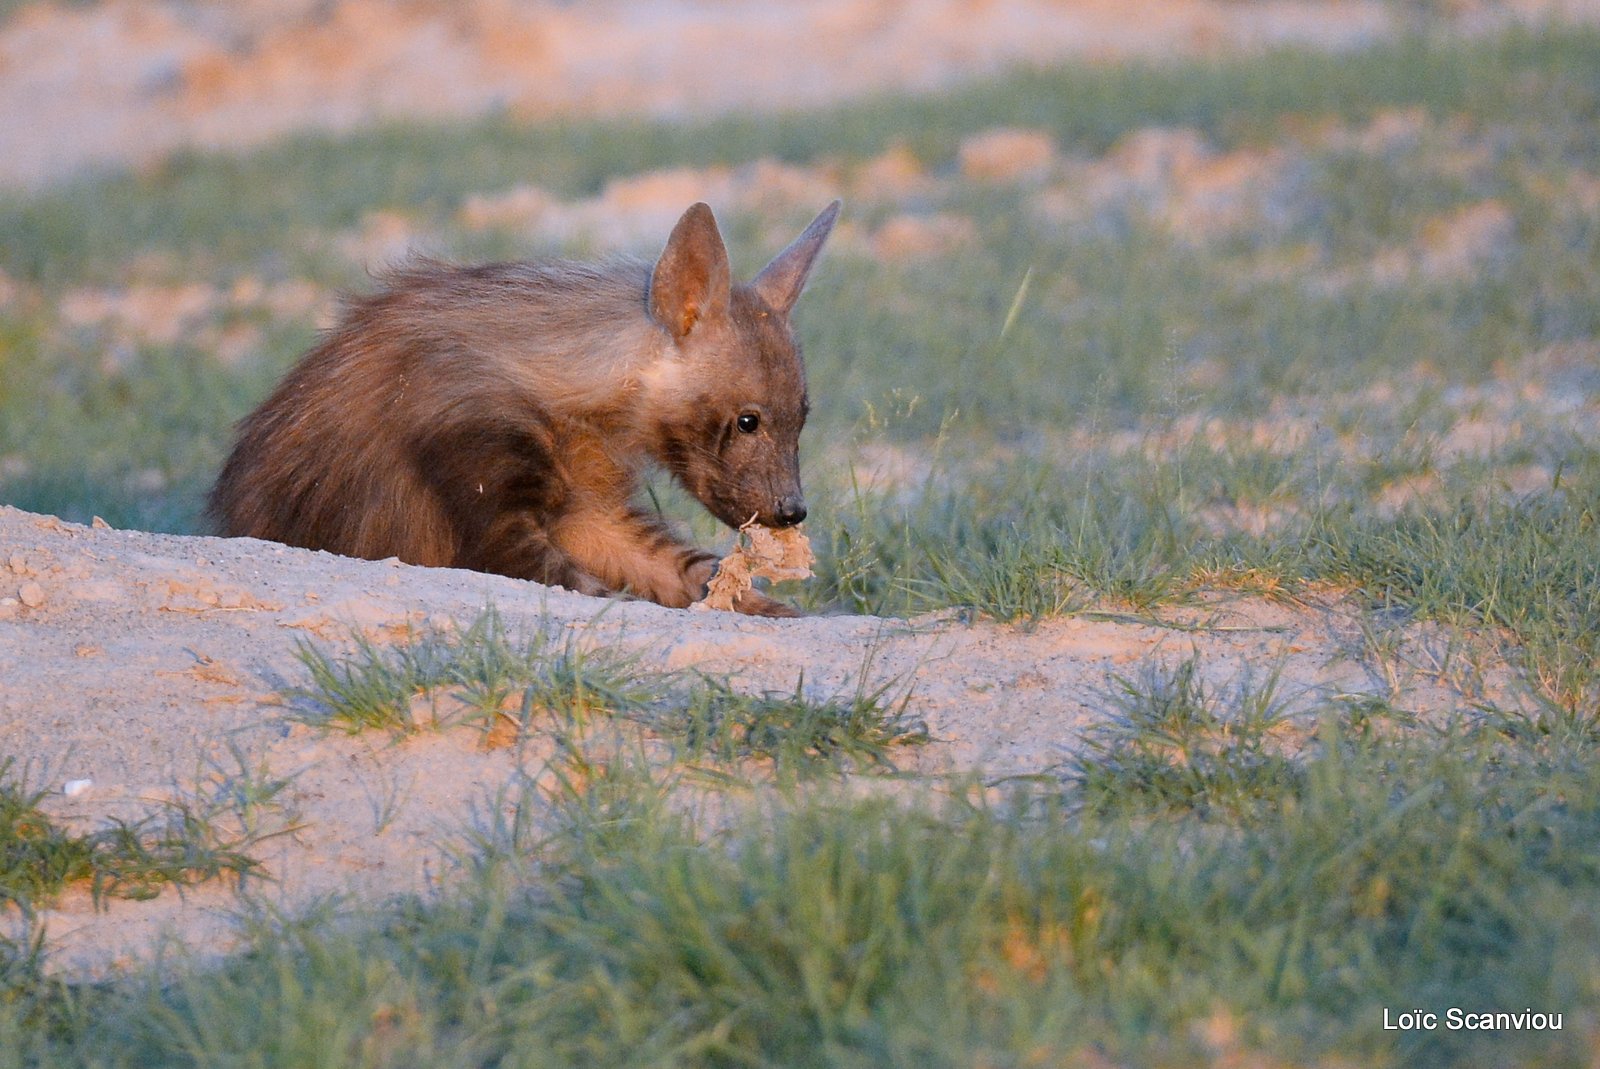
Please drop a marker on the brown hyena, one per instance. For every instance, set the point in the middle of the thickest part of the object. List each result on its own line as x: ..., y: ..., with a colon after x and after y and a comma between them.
x: 499, y: 417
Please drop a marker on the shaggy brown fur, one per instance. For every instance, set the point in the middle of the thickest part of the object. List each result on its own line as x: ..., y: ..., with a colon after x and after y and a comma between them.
x: 498, y: 418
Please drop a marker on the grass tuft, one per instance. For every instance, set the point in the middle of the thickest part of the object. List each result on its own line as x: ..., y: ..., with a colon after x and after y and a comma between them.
x: 1178, y: 743
x: 183, y: 843
x: 793, y: 731
x: 494, y: 675
x: 511, y: 688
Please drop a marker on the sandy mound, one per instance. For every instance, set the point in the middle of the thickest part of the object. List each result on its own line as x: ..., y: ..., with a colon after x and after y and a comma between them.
x: 153, y: 666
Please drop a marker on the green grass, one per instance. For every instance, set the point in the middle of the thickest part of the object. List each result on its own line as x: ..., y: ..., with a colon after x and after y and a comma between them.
x: 793, y: 731
x: 1528, y: 569
x: 1183, y: 744
x: 1406, y: 867
x: 1032, y: 539
x: 513, y: 687
x: 482, y: 664
x: 182, y: 843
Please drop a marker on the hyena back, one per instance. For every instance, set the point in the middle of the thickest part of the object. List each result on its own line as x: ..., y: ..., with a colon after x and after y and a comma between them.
x: 499, y: 417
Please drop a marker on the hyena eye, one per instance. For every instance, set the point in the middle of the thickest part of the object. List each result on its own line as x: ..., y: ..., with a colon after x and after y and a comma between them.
x: 748, y: 422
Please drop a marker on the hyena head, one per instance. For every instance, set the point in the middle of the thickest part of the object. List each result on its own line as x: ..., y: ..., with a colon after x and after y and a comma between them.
x: 727, y: 397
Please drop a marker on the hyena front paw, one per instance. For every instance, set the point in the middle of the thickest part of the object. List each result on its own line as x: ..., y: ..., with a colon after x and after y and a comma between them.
x: 697, y: 577
x: 755, y: 603
x: 581, y: 582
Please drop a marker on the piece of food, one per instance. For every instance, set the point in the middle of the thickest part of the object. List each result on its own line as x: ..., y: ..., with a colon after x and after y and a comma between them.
x: 759, y: 553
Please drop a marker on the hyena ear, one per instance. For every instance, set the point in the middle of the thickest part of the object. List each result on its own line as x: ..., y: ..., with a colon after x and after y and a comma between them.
x: 780, y: 282
x: 691, y: 280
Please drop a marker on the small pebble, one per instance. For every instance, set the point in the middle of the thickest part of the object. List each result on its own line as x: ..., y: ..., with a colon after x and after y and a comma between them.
x: 31, y: 594
x: 74, y: 787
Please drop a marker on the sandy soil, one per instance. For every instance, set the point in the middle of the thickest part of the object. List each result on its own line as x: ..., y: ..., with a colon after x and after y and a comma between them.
x: 129, y: 81
x: 153, y: 667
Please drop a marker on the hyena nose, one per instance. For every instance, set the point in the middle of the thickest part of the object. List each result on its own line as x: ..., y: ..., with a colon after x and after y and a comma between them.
x: 790, y: 511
